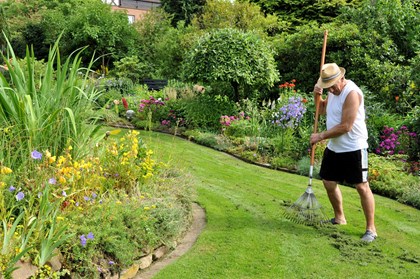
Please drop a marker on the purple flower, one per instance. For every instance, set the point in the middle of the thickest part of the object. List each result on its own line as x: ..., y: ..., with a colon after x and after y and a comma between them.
x: 83, y: 240
x: 52, y: 181
x: 94, y: 195
x: 64, y: 193
x: 36, y: 155
x: 20, y: 196
x: 86, y: 198
x: 290, y: 115
x: 90, y: 235
x: 111, y: 262
x: 11, y: 188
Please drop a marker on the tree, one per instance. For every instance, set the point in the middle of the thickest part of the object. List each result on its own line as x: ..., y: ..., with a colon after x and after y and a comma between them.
x: 230, y: 55
x: 243, y: 16
x: 300, y: 12
x: 82, y: 23
x: 160, y: 46
x: 182, y: 10
x: 104, y: 31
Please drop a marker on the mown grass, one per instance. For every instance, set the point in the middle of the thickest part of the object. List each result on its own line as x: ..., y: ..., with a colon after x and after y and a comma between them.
x: 246, y: 235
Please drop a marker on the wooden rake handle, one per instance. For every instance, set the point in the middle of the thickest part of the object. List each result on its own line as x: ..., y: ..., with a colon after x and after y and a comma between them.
x: 318, y: 97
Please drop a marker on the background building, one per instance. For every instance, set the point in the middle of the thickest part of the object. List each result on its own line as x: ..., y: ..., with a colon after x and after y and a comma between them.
x: 135, y: 8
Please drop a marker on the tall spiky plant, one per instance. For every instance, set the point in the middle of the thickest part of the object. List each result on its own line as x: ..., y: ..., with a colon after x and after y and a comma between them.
x: 45, y: 114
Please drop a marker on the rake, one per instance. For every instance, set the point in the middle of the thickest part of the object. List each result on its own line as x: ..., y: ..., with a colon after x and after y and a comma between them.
x: 307, y: 210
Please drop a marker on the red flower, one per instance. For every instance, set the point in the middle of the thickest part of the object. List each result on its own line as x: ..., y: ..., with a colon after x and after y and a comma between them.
x: 125, y: 103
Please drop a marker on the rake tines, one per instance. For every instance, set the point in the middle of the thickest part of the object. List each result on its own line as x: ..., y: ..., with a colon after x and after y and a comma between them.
x: 306, y: 210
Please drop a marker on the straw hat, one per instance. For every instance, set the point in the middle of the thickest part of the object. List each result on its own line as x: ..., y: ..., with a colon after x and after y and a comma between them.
x: 330, y: 74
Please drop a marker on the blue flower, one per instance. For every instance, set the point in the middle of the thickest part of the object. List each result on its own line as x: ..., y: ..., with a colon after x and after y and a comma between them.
x: 52, y: 181
x: 11, y: 188
x: 36, y: 155
x: 83, y: 240
x: 111, y: 262
x: 90, y: 235
x: 20, y: 196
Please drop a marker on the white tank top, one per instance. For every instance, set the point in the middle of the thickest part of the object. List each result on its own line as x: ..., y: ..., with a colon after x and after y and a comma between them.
x: 355, y: 139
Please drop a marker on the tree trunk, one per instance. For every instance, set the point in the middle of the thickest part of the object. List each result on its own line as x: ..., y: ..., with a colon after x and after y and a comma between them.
x: 235, y: 86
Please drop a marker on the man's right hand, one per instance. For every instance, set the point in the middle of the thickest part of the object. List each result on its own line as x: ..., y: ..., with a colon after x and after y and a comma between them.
x: 317, y: 90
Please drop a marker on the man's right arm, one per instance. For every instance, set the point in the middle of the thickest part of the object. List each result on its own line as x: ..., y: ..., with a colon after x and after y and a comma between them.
x: 322, y: 103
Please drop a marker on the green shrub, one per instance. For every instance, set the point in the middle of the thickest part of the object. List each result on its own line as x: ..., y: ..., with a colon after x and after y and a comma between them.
x: 120, y: 229
x: 106, y: 98
x: 204, y: 111
x: 388, y: 177
x: 123, y: 85
x: 130, y: 67
x: 303, y: 167
x: 411, y: 196
x: 284, y: 162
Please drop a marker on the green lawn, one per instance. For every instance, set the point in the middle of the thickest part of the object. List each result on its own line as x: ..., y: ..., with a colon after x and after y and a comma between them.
x: 246, y: 235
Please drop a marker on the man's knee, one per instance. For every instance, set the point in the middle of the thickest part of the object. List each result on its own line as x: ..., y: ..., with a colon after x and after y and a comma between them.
x: 330, y: 186
x: 363, y: 188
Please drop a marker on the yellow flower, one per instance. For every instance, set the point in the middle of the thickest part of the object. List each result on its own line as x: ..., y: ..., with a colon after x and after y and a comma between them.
x: 60, y: 218
x: 146, y: 208
x: 62, y: 180
x: 47, y: 154
x: 5, y: 170
x: 51, y: 159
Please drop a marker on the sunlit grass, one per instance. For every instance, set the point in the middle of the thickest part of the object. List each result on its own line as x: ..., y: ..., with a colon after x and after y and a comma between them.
x: 246, y: 235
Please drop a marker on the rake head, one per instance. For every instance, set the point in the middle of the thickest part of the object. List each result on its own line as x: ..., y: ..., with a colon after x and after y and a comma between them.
x: 307, y: 210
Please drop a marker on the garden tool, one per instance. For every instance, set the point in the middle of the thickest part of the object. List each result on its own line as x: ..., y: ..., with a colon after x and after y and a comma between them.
x: 307, y: 209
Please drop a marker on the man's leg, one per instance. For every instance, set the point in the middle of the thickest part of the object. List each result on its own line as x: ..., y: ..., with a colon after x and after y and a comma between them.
x: 336, y: 200
x: 368, y: 205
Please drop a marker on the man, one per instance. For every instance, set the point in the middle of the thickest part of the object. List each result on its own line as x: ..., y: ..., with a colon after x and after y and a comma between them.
x: 345, y: 158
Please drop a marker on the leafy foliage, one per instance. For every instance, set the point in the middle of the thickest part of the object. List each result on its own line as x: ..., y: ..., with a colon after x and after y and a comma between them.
x: 240, y: 15
x: 183, y: 10
x: 46, y: 114
x: 205, y: 110
x: 300, y: 12
x: 229, y: 55
x: 89, y: 23
x: 161, y: 47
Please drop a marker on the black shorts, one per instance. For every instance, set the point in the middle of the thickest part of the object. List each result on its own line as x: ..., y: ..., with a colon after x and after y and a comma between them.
x: 350, y: 167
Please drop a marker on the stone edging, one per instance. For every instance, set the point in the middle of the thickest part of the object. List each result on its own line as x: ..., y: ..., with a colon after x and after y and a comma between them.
x: 149, y: 265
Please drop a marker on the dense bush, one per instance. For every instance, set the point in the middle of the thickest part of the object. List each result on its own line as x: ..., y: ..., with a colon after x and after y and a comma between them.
x: 388, y: 177
x: 230, y: 55
x: 204, y: 111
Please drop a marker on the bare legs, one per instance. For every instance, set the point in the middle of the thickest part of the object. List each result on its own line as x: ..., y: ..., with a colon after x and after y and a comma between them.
x: 368, y: 205
x: 336, y: 200
x: 366, y: 198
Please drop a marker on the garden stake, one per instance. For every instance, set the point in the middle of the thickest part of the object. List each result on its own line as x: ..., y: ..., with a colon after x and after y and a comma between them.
x: 307, y: 210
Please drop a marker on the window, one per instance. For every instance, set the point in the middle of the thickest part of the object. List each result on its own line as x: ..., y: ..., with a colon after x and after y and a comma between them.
x: 131, y: 19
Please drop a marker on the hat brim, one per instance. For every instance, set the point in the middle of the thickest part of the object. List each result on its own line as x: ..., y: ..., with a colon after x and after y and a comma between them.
x: 330, y: 83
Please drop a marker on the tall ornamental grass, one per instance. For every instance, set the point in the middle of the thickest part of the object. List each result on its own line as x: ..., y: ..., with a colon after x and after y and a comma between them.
x: 45, y: 111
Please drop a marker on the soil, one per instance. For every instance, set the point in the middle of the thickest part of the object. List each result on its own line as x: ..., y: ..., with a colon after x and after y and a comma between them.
x: 198, y: 224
